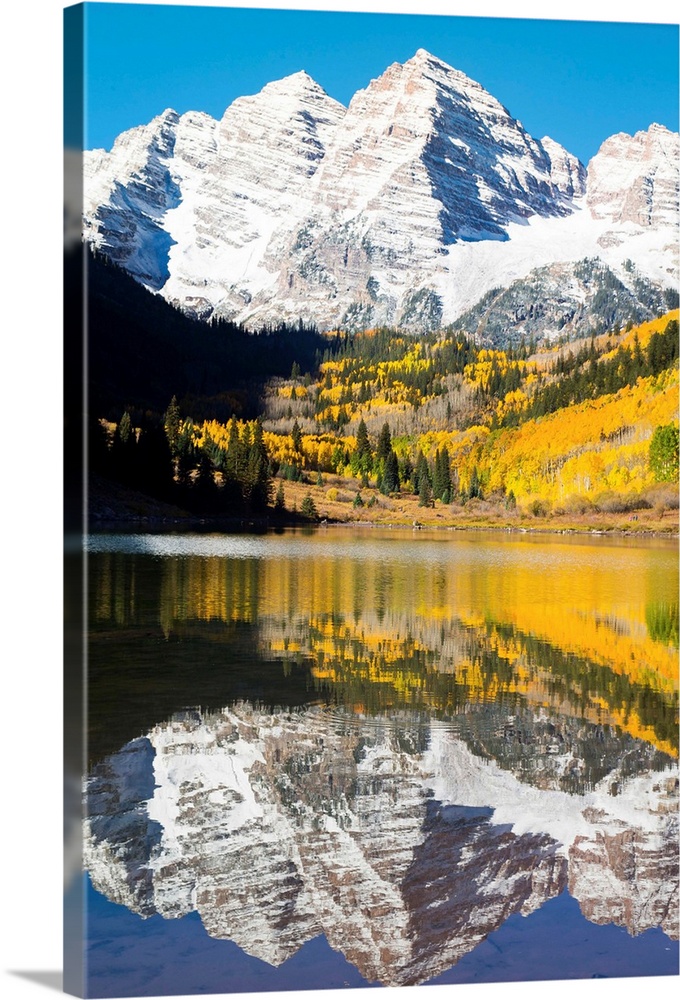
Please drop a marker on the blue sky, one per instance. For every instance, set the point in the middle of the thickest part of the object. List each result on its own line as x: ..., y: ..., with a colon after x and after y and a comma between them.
x: 577, y: 81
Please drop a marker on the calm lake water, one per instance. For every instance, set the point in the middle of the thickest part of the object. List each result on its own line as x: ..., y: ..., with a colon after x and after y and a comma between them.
x: 379, y: 757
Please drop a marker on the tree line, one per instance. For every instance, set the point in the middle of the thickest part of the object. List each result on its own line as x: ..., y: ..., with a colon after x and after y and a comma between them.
x: 587, y: 375
x: 162, y: 459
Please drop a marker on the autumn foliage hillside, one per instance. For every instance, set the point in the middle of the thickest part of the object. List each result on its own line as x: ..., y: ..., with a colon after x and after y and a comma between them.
x: 580, y: 451
x: 558, y: 430
x: 387, y: 426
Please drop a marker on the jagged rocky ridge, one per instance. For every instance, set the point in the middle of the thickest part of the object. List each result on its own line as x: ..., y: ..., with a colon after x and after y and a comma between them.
x: 404, y: 208
x: 391, y: 838
x: 565, y: 300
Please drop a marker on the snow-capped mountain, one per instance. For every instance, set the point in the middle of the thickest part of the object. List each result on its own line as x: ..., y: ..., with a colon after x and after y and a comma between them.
x: 188, y: 204
x: 634, y: 179
x: 396, y: 842
x: 406, y: 207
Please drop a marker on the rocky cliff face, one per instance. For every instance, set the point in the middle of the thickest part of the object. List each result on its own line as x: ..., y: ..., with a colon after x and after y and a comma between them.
x: 636, y: 179
x: 404, y: 208
x: 392, y: 839
x: 566, y: 172
x: 424, y: 158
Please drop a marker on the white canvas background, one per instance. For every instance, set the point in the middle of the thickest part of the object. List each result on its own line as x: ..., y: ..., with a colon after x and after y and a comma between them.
x: 30, y: 487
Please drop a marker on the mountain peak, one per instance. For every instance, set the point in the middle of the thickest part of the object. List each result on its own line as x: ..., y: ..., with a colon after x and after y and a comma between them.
x: 293, y: 84
x: 300, y: 77
x: 293, y: 205
x: 158, y: 135
x: 422, y: 55
x: 658, y: 133
x: 423, y: 60
x: 634, y: 178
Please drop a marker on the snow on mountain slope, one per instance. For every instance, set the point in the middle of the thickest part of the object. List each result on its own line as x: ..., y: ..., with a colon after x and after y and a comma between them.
x: 404, y: 208
x: 267, y: 148
x: 542, y: 242
x: 126, y: 195
x: 567, y: 173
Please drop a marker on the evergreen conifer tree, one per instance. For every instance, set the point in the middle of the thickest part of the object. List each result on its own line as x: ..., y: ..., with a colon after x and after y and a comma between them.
x: 445, y: 473
x: 425, y: 492
x: 280, y: 501
x: 362, y: 452
x: 390, y: 479
x: 384, y: 443
x: 308, y: 507
x: 422, y: 470
x: 124, y: 428
x: 363, y: 445
x: 172, y: 425
x: 297, y: 438
x: 259, y: 470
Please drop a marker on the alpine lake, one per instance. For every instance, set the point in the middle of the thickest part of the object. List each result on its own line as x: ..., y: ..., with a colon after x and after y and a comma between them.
x: 340, y: 757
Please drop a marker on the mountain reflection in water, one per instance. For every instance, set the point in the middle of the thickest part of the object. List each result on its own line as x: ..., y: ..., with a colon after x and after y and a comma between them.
x: 398, y: 843
x: 397, y: 746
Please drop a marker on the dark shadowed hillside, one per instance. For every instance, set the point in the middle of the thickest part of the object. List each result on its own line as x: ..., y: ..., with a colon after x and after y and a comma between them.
x: 142, y: 351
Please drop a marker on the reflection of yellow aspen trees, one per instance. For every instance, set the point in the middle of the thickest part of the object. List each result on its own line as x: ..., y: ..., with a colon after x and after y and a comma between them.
x: 391, y: 633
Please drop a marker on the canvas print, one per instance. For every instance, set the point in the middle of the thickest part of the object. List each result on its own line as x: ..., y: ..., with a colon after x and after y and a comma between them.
x: 371, y: 468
